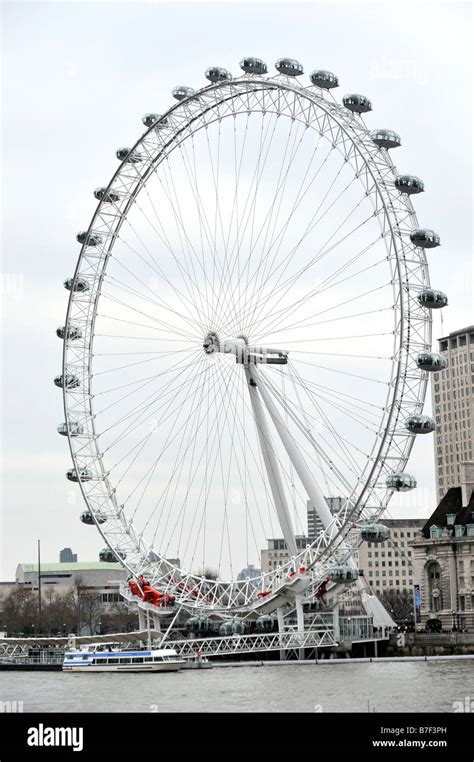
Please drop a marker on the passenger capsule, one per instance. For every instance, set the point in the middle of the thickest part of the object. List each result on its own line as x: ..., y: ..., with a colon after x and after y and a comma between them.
x: 154, y: 119
x: 409, y: 184
x: 431, y: 361
x: 357, y: 103
x: 87, y: 518
x: 181, y: 92
x: 289, y: 66
x: 425, y: 238
x: 199, y: 625
x: 80, y: 285
x: 217, y: 74
x: 432, y: 299
x: 325, y: 79
x: 71, y: 333
x: 400, y: 482
x: 266, y: 623
x: 385, y: 138
x: 93, y: 239
x: 102, y: 194
x: 67, y: 382
x: 374, y: 533
x: 253, y: 66
x: 75, y: 429
x: 128, y: 156
x: 232, y: 627
x: 107, y: 556
x: 420, y: 424
x: 84, y: 475
x: 342, y: 574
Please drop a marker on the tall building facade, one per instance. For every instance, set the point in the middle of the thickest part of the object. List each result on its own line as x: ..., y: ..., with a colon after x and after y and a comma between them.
x: 66, y: 556
x: 452, y: 392
x: 249, y: 572
x: 276, y: 553
x: 315, y: 525
x: 389, y: 565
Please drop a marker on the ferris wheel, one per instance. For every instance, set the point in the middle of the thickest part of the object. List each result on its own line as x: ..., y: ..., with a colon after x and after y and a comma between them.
x: 248, y: 338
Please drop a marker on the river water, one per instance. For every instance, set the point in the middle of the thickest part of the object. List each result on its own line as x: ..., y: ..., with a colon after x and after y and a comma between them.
x: 358, y: 687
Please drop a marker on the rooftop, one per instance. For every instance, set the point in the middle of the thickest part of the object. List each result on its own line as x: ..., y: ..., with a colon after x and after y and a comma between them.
x: 450, y: 503
x: 400, y: 523
x: 71, y: 567
x: 469, y: 329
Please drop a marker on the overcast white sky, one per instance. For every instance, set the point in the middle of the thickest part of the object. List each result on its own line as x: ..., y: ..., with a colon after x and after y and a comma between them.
x: 78, y: 76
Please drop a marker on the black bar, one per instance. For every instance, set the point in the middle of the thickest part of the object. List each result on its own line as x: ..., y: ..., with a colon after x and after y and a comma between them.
x: 428, y: 736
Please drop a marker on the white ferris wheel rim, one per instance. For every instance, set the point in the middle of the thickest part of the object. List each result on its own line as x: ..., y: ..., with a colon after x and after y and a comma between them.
x: 406, y: 389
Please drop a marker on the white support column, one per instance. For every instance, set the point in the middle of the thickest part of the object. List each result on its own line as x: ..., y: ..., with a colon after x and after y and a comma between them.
x: 141, y: 619
x: 300, y: 465
x: 371, y: 604
x: 281, y: 630
x: 271, y: 464
x: 156, y: 623
x: 335, y: 622
x: 300, y: 620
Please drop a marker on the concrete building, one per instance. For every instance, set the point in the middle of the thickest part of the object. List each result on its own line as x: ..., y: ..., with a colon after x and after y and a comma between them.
x: 443, y: 557
x: 276, y: 553
x: 96, y: 576
x: 96, y: 583
x: 249, y: 572
x: 452, y: 392
x: 66, y: 556
x: 389, y: 565
x: 315, y: 525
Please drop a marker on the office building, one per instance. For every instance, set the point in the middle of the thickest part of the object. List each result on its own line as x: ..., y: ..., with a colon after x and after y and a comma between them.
x: 453, y: 408
x: 314, y: 522
x: 389, y: 565
x: 276, y: 553
x: 249, y: 572
x: 66, y: 556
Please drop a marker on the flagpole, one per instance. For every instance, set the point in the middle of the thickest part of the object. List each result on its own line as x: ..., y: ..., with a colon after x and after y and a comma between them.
x: 39, y: 586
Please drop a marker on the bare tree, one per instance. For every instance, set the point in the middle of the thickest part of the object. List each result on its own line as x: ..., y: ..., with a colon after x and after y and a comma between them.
x: 20, y: 612
x: 399, y: 603
x: 208, y: 573
x: 85, y: 607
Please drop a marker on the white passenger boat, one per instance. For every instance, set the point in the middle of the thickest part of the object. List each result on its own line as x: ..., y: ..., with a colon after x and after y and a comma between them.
x: 110, y: 657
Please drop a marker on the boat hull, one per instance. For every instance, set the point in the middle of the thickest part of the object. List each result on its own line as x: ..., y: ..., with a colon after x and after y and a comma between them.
x: 87, y: 668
